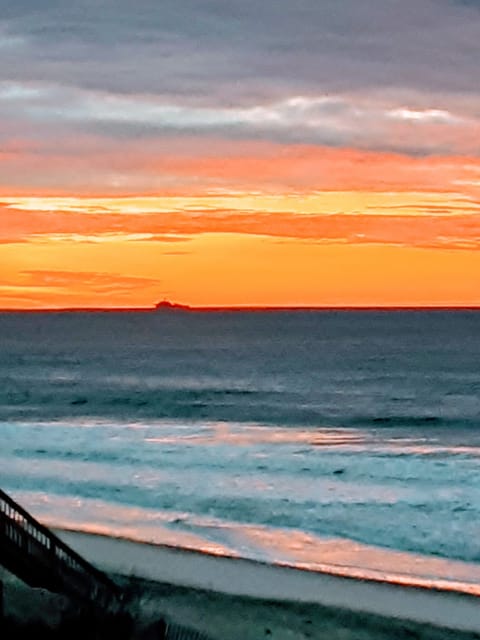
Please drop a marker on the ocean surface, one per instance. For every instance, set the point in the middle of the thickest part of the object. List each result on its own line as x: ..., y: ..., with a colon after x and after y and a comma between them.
x: 333, y: 440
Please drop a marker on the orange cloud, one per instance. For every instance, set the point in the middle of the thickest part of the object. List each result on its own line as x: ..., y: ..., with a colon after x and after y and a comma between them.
x: 454, y: 226
x: 305, y: 168
x: 197, y: 167
x: 41, y: 286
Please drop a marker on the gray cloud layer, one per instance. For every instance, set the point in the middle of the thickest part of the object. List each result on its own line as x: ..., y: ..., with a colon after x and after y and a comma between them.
x: 223, y: 49
x: 162, y: 67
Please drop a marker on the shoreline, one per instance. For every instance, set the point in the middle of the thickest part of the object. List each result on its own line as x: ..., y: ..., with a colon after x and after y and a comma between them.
x: 244, y: 578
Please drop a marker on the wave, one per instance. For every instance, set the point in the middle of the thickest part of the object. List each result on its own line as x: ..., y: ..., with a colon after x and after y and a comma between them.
x: 411, y: 420
x: 400, y: 490
x: 228, y: 404
x: 234, y: 403
x: 286, y: 546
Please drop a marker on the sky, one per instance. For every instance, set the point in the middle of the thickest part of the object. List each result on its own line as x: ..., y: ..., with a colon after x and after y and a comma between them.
x: 216, y: 152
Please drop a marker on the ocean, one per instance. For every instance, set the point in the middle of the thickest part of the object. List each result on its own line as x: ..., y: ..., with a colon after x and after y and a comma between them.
x: 342, y: 441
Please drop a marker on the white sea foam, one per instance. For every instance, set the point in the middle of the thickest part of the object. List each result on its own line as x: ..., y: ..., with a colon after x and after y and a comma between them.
x: 351, y: 501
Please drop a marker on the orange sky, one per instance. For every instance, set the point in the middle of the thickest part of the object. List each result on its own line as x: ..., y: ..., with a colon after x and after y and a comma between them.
x: 416, y: 243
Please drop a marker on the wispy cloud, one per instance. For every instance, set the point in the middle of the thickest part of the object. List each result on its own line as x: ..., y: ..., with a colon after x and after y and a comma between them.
x: 420, y: 224
x: 82, y: 166
x: 323, y: 119
x: 36, y: 286
x: 98, y: 281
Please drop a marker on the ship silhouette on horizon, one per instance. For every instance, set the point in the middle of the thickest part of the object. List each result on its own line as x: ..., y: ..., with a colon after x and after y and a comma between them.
x: 166, y: 305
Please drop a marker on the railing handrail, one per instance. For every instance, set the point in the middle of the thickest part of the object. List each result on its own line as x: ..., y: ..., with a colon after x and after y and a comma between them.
x: 55, y: 542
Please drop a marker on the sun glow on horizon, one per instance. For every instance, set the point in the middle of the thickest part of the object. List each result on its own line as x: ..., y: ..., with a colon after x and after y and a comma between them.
x: 215, y: 269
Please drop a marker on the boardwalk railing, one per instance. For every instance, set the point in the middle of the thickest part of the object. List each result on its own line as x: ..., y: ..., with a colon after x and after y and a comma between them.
x: 38, y: 557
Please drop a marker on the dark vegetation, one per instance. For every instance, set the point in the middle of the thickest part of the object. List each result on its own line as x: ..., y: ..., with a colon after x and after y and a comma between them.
x: 78, y: 626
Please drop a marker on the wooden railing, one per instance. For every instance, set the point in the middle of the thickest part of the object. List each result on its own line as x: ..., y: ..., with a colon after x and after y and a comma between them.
x: 38, y: 557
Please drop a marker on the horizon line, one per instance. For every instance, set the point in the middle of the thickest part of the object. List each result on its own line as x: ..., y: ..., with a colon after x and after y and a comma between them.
x: 246, y: 308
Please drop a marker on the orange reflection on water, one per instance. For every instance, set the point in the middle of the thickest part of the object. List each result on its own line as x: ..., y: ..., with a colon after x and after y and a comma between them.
x: 250, y: 435
x: 286, y: 547
x: 146, y: 535
x: 352, y: 559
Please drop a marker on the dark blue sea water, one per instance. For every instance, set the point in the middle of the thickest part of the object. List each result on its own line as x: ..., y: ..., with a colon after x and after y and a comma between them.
x: 314, y: 438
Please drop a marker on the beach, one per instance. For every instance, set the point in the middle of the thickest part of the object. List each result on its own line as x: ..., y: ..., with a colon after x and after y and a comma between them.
x: 241, y: 599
